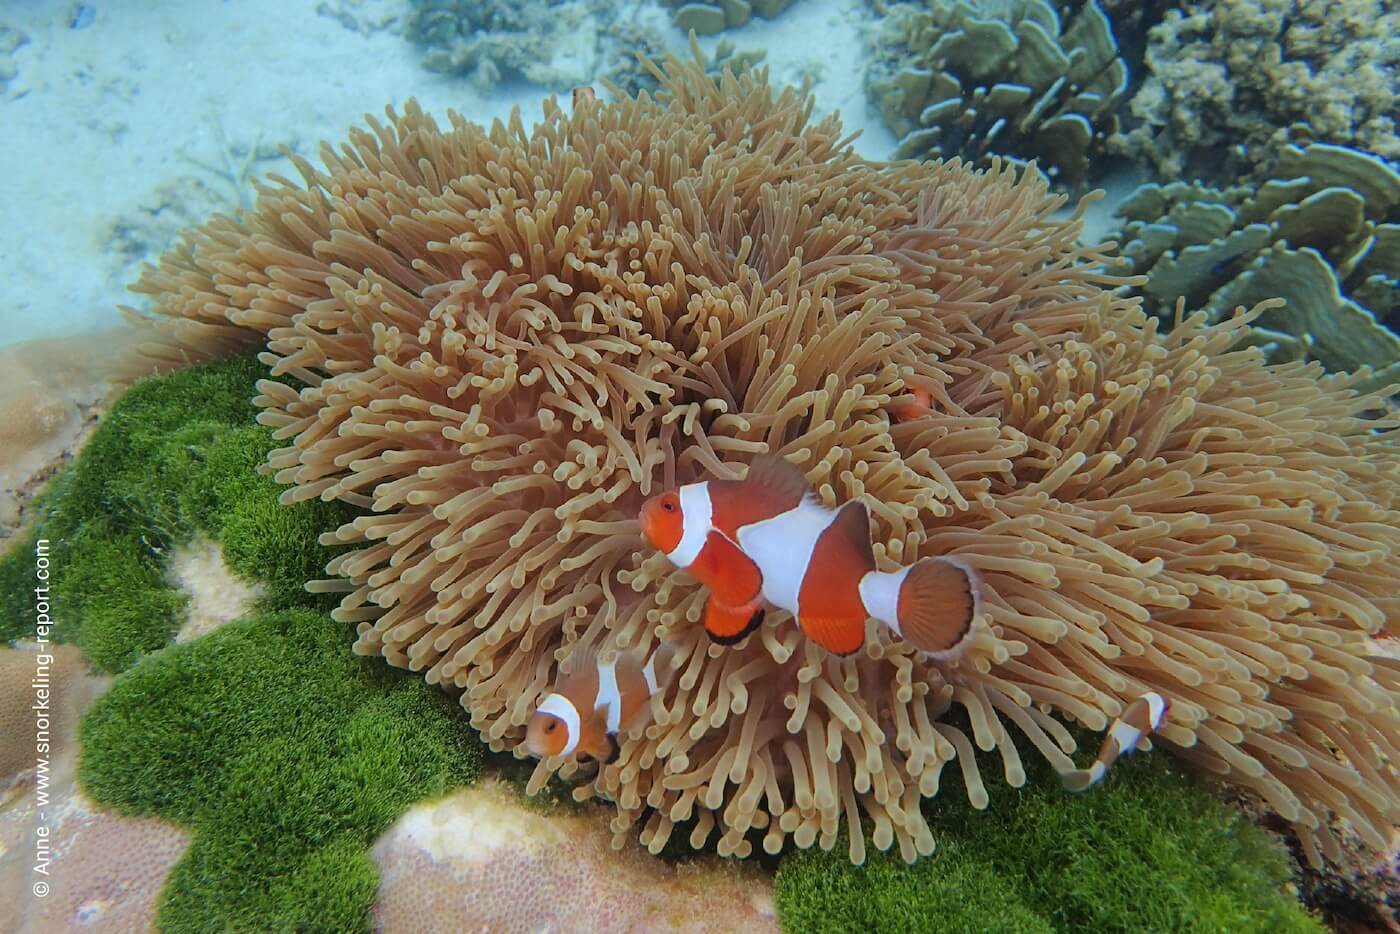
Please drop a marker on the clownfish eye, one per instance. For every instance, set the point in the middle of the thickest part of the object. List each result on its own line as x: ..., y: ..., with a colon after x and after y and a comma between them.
x: 668, y: 506
x: 551, y: 726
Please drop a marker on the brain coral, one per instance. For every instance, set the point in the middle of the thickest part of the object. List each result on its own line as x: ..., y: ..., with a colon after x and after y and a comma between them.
x: 510, y: 337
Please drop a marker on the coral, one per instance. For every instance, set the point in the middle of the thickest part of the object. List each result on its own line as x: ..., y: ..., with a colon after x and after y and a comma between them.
x: 50, y: 394
x: 509, y: 338
x: 1323, y: 233
x: 1145, y: 852
x: 633, y: 42
x: 552, y: 43
x: 1020, y: 80
x: 285, y: 755
x: 105, y: 872
x: 1229, y: 82
x: 479, y: 859
x: 173, y: 457
x: 707, y: 17
x: 62, y: 672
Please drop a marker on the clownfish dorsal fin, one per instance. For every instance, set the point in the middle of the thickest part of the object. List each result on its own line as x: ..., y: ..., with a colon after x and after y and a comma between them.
x: 781, y: 477
x: 852, y: 523
x: 582, y: 660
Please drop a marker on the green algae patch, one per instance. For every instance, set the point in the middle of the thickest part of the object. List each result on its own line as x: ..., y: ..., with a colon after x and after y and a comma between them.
x: 1148, y: 850
x: 175, y: 457
x: 286, y: 754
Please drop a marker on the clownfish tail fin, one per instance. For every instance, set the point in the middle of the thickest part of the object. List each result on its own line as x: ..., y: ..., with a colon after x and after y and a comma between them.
x: 1083, y: 779
x: 938, y: 601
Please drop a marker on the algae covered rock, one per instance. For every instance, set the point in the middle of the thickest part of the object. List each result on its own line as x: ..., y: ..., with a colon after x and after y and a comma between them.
x: 1149, y: 850
x: 1023, y: 80
x: 708, y: 17
x: 1229, y: 82
x: 1323, y: 234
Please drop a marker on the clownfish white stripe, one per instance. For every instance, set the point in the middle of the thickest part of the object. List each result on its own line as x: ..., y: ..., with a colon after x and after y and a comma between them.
x: 879, y: 591
x: 782, y: 548
x: 1125, y: 734
x: 649, y: 673
x: 1156, y: 708
x: 557, y: 705
x: 696, y: 513
x: 609, y: 697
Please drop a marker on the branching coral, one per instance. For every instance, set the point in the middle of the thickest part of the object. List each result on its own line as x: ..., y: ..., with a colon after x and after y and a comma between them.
x: 508, y: 338
x: 1230, y: 81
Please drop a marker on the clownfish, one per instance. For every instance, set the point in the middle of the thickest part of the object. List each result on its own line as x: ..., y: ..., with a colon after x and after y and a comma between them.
x: 1138, y: 719
x: 583, y: 94
x: 589, y: 708
x: 767, y: 537
x: 917, y: 404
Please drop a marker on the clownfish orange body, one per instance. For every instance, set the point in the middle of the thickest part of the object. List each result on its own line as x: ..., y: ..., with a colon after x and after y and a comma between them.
x: 918, y: 404
x: 1137, y: 720
x: 589, y: 708
x: 766, y: 537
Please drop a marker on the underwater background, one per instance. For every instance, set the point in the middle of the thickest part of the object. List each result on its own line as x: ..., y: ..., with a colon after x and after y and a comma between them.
x: 227, y: 749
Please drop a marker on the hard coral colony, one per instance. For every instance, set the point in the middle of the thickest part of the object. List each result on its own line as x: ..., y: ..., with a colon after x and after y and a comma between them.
x: 509, y: 339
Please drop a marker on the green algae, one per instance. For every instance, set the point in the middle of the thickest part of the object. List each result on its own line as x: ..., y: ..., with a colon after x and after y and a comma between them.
x: 279, y: 748
x: 286, y: 754
x: 175, y: 457
x: 1148, y: 850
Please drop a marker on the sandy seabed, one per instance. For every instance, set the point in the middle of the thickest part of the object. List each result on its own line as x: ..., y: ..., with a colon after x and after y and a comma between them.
x: 130, y: 121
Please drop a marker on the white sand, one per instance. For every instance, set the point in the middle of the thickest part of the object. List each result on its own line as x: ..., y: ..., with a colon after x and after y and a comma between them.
x: 119, y: 134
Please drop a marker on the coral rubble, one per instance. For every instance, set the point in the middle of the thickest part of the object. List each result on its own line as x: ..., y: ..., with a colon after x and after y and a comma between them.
x: 506, y: 339
x: 707, y: 17
x: 1022, y: 80
x: 1323, y: 234
x: 480, y: 859
x: 1230, y: 82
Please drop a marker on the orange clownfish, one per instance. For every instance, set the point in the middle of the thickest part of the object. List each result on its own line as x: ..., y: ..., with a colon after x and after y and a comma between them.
x: 1138, y: 719
x: 583, y: 94
x: 917, y: 404
x: 589, y: 708
x: 767, y: 537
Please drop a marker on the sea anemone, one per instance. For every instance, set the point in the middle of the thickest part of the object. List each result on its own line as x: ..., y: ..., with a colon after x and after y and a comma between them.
x: 507, y: 339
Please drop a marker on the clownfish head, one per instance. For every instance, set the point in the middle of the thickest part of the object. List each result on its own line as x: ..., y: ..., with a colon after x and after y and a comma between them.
x: 554, y: 729
x: 662, y: 521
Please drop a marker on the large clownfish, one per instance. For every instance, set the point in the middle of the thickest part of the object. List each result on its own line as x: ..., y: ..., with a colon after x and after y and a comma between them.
x: 1137, y: 720
x: 589, y: 708
x: 767, y: 537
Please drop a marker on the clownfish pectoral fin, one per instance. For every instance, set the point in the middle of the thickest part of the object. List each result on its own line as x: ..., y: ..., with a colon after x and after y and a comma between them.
x: 731, y: 575
x: 782, y: 477
x: 836, y: 635
x: 728, y: 624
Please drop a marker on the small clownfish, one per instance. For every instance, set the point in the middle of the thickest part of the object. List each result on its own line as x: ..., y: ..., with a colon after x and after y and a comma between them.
x: 583, y: 94
x: 589, y: 708
x: 767, y: 537
x: 1137, y: 720
x: 916, y: 405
